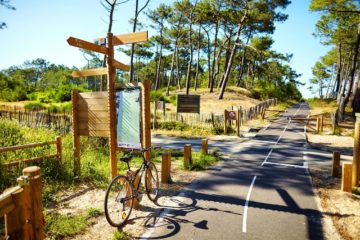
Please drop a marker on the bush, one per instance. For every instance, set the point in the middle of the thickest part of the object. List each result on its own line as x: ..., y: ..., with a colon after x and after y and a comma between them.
x: 34, y: 106
x: 11, y: 133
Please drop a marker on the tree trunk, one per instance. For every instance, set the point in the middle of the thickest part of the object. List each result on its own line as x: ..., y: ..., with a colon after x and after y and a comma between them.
x: 228, y: 69
x: 243, y: 62
x: 338, y: 70
x: 157, y: 74
x: 356, y: 101
x: 198, y: 60
x: 208, y: 58
x: 351, y: 74
x: 214, y: 57
x: 188, y: 74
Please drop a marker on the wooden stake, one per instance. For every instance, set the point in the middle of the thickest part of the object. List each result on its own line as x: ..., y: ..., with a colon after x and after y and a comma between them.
x: 225, y: 121
x: 336, y: 164
x: 318, y: 125
x: 322, y: 123
x: 187, y: 156
x: 356, y: 156
x: 204, y: 146
x: 238, y: 122
x: 146, y: 118
x: 166, y: 167
x: 112, y: 105
x: 76, y: 136
x: 59, y: 148
x: 346, y: 177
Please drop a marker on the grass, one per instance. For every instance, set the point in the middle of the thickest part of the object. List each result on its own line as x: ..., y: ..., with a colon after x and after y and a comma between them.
x: 119, y: 235
x: 319, y: 106
x: 59, y: 226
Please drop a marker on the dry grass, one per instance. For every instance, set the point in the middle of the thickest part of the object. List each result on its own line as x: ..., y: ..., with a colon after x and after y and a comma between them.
x: 209, y: 102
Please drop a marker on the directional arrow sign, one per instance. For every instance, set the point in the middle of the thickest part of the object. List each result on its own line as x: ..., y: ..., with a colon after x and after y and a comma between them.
x: 86, y: 45
x: 121, y: 66
x: 89, y: 72
x: 130, y: 38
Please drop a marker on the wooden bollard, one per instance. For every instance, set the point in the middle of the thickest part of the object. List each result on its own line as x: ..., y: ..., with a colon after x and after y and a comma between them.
x: 166, y: 167
x: 318, y: 125
x: 356, y: 156
x: 26, y: 221
x: 204, y: 146
x: 187, y: 156
x: 335, y: 164
x: 346, y: 177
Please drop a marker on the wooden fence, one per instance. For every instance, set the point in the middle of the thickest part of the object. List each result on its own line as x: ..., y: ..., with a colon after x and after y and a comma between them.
x: 215, y: 120
x: 35, y: 119
x: 57, y: 142
x: 22, y: 207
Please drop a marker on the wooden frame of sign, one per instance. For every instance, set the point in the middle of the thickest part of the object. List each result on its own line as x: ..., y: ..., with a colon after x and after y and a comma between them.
x: 232, y: 115
x: 103, y: 122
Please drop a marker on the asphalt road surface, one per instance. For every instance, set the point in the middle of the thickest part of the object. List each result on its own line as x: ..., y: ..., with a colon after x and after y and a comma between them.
x: 261, y: 191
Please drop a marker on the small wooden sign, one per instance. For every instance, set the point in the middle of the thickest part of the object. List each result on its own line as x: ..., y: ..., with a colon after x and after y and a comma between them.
x: 188, y: 103
x: 121, y: 66
x: 89, y: 72
x: 160, y: 105
x: 231, y: 115
x: 86, y: 45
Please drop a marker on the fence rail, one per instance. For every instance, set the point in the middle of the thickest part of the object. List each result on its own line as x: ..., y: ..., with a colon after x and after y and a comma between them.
x: 214, y: 120
x: 57, y: 142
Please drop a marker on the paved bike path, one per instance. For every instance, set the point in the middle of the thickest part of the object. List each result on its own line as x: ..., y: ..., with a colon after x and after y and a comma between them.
x: 262, y: 191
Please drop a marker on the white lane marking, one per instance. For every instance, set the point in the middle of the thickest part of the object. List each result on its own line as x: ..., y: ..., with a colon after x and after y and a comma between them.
x: 298, y: 109
x: 247, y: 204
x: 283, y: 132
x: 267, y: 157
x: 286, y: 165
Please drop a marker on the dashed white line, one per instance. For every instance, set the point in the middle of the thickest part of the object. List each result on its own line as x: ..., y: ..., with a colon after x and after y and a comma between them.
x: 262, y: 164
x: 247, y: 204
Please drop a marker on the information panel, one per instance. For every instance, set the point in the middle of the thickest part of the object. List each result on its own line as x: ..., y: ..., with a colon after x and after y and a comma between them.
x: 128, y: 118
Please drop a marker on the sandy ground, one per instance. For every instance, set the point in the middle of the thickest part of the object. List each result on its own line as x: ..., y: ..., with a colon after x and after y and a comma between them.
x: 341, y: 209
x: 75, y: 203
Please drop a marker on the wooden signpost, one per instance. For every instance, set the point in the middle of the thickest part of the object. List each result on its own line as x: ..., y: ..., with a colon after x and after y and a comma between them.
x: 87, y: 123
x: 232, y: 115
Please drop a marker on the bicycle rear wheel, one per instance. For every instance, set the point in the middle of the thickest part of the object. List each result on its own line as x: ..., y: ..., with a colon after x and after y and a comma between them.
x: 152, y: 182
x: 118, y: 201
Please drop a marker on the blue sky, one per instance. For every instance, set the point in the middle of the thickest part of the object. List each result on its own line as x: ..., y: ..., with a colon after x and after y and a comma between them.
x: 39, y: 28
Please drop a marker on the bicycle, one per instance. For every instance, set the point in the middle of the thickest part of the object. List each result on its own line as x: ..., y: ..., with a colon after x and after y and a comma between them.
x: 121, y: 192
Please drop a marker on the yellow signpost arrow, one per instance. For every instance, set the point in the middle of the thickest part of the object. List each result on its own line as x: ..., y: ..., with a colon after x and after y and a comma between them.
x: 86, y: 45
x: 89, y: 72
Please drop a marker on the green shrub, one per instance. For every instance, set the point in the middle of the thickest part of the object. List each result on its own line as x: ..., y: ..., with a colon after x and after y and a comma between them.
x: 34, y: 106
x: 11, y: 133
x: 119, y: 235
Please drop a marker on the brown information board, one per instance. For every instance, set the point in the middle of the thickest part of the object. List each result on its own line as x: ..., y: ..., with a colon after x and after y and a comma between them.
x: 188, y: 103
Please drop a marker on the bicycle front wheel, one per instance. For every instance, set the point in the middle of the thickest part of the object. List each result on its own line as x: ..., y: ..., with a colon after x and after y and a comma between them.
x: 152, y: 182
x: 118, y: 201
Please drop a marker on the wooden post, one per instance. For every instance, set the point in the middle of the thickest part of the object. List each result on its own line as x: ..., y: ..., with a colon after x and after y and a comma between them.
x: 146, y: 117
x: 356, y: 156
x: 346, y: 177
x: 336, y: 164
x: 322, y: 123
x: 204, y: 146
x: 166, y: 167
x: 76, y: 136
x: 225, y: 121
x: 26, y: 221
x: 238, y: 122
x: 187, y: 156
x: 136, y: 183
x: 318, y: 125
x: 59, y: 148
x: 112, y: 105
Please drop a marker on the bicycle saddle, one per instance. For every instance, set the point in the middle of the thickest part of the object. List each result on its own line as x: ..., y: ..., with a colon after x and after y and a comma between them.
x: 126, y: 158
